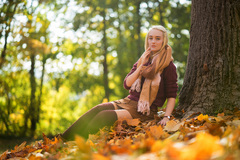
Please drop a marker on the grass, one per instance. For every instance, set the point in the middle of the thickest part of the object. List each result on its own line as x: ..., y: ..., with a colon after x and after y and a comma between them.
x: 8, y: 143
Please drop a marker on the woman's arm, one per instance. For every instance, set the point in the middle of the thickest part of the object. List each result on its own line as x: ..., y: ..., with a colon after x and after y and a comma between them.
x: 133, y: 77
x: 169, y: 109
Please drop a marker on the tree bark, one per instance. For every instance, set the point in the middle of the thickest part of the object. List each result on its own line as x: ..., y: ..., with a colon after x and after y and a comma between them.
x: 105, y: 65
x: 8, y: 19
x: 44, y: 59
x: 161, y: 14
x: 212, y: 78
x: 139, y: 43
x: 32, y: 109
x: 120, y: 50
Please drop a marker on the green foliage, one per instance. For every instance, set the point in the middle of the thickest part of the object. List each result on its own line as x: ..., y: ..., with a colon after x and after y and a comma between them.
x: 67, y: 41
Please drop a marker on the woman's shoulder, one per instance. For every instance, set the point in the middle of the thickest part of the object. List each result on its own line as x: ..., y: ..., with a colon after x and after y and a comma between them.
x: 170, y: 67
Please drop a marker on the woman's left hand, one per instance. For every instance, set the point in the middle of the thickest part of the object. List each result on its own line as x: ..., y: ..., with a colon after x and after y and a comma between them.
x: 164, y: 121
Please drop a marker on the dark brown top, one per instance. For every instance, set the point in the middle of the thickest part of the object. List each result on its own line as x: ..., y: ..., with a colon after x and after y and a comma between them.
x: 167, y: 89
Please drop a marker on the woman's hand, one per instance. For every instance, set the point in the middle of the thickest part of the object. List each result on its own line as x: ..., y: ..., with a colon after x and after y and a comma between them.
x: 164, y: 121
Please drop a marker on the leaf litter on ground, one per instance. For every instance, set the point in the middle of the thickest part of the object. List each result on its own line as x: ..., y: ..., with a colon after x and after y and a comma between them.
x: 198, y: 137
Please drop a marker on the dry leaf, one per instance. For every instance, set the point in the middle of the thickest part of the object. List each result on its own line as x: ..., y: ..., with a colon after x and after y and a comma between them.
x: 172, y: 126
x: 220, y: 114
x: 236, y: 123
x: 97, y: 156
x: 202, y: 117
x: 156, y: 131
x: 133, y: 122
x: 82, y: 146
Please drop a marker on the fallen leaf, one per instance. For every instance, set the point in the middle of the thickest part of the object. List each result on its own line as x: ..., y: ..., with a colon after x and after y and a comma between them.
x: 156, y: 131
x: 236, y: 123
x: 82, y: 146
x: 133, y: 122
x: 220, y: 114
x: 172, y: 126
x: 97, y: 156
x: 202, y: 117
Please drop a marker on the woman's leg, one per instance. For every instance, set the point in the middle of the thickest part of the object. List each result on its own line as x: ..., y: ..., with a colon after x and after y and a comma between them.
x: 102, y: 119
x: 105, y: 118
x: 80, y: 125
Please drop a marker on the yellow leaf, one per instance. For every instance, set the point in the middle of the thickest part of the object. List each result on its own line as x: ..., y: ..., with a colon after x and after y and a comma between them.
x: 82, y: 145
x: 202, y: 117
x: 204, y: 147
x: 157, y: 146
x: 97, y: 156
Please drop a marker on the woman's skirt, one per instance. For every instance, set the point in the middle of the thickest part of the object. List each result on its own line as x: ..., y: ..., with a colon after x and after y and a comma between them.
x: 131, y: 107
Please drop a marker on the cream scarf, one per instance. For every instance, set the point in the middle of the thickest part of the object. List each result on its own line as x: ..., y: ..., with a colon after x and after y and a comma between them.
x: 151, y: 73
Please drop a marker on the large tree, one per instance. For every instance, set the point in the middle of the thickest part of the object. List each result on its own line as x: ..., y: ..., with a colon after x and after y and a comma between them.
x: 212, y: 79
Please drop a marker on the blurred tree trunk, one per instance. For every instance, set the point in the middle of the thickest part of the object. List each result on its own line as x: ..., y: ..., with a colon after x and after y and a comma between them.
x: 139, y: 24
x: 212, y: 79
x: 160, y: 10
x: 105, y: 65
x: 32, y: 109
x: 5, y: 21
x: 120, y: 47
x: 44, y: 59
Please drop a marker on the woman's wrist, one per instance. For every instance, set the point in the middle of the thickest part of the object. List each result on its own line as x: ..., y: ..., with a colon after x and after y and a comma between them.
x: 168, y: 117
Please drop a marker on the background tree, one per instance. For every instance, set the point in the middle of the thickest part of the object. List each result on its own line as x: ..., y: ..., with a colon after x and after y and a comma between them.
x: 57, y: 51
x: 8, y: 10
x: 211, y: 82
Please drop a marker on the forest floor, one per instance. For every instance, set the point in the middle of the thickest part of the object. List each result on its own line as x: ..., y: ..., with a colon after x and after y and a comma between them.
x: 198, y: 137
x: 11, y: 142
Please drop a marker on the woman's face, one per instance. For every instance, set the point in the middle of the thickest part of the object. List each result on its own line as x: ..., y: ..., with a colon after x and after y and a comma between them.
x: 155, y: 40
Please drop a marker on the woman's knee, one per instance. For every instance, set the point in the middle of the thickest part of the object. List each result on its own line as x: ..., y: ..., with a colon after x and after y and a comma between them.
x: 106, y: 115
x: 104, y: 106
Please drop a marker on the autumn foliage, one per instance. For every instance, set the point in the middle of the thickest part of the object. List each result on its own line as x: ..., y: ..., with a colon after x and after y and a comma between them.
x: 198, y: 137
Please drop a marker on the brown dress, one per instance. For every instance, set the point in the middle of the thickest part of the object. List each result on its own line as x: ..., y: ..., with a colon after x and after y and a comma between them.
x: 131, y: 107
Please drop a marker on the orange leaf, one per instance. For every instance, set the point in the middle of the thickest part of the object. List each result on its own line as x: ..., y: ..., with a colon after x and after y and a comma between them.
x: 204, y: 147
x: 4, y: 155
x: 97, y: 156
x: 156, y: 131
x: 220, y: 114
x: 133, y: 122
x: 46, y: 140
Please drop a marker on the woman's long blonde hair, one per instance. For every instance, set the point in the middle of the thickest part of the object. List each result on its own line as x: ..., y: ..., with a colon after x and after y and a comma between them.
x: 165, y: 36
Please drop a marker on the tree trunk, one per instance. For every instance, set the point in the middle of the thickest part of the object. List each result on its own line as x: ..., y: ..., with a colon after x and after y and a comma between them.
x: 160, y: 13
x: 7, y: 20
x: 44, y: 59
x: 32, y: 109
x: 105, y: 65
x: 120, y: 51
x: 212, y: 78
x: 139, y: 44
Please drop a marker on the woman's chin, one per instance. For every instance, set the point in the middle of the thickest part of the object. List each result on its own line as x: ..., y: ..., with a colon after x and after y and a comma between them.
x: 154, y: 50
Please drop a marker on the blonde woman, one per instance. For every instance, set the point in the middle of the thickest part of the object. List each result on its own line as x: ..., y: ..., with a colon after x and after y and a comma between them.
x: 151, y: 81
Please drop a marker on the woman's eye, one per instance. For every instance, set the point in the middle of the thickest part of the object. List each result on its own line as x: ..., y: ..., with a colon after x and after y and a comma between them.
x: 150, y: 38
x: 158, y: 38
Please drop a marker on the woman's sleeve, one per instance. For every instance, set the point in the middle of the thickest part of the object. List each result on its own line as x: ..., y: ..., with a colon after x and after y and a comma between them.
x: 132, y: 70
x: 170, y: 81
